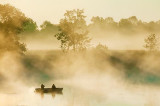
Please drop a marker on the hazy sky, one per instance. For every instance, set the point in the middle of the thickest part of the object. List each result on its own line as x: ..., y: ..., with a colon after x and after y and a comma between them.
x: 53, y: 10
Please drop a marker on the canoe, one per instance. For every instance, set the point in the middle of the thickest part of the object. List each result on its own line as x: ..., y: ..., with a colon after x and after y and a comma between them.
x: 49, y: 90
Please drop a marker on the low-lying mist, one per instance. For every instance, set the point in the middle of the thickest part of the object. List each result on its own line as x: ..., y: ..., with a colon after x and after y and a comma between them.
x: 108, y: 75
x: 89, y: 73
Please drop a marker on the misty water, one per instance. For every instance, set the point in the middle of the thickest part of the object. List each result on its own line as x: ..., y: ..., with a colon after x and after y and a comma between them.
x: 89, y: 95
x: 102, y: 61
x: 86, y: 81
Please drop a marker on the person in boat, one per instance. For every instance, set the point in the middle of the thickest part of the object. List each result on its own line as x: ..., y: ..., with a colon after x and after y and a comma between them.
x: 53, y: 86
x: 42, y: 86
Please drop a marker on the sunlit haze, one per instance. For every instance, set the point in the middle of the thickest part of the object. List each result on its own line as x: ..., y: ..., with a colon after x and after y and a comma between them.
x: 79, y: 52
x: 53, y: 10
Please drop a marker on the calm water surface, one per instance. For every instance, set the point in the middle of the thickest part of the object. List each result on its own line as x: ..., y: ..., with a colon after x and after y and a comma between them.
x: 76, y: 96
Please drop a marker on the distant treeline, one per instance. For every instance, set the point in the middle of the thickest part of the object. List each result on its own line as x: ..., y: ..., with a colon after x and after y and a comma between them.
x: 13, y: 23
x: 129, y: 25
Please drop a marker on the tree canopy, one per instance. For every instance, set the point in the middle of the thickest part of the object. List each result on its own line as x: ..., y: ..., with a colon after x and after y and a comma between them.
x: 152, y: 43
x: 11, y: 21
x: 29, y: 26
x: 73, y: 31
x: 126, y: 26
x: 48, y: 27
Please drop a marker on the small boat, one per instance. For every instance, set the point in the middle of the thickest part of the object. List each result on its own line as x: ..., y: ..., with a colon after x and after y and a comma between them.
x: 49, y: 90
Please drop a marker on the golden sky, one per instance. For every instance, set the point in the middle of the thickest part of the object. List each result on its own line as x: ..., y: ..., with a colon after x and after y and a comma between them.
x: 53, y: 10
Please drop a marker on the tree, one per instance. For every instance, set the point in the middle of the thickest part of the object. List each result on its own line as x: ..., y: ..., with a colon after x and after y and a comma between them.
x: 97, y: 20
x: 73, y: 31
x: 101, y: 47
x: 48, y: 27
x: 29, y: 26
x: 151, y: 42
x: 11, y: 20
x: 133, y: 20
x: 125, y: 23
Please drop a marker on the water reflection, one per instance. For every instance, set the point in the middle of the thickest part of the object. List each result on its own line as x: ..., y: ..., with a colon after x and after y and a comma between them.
x: 77, y: 96
x: 53, y: 94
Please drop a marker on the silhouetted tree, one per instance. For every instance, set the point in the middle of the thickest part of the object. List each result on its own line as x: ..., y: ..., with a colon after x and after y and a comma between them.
x: 73, y: 31
x: 11, y: 21
x: 151, y: 42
